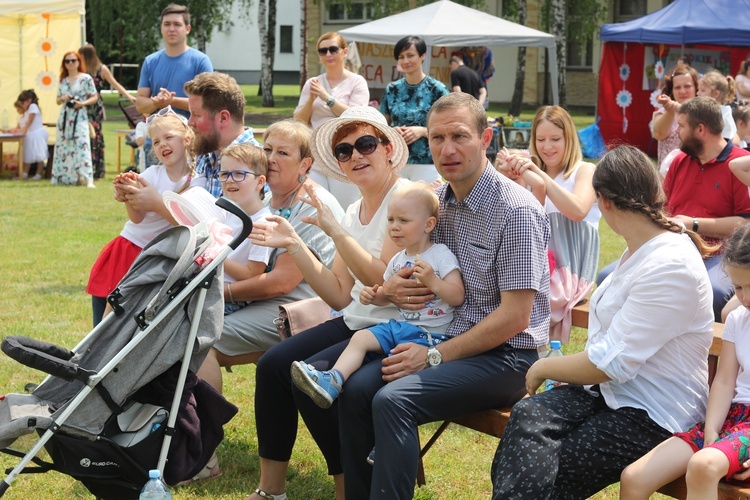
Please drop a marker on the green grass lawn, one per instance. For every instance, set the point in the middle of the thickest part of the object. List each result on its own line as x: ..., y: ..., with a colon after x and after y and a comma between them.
x: 53, y: 235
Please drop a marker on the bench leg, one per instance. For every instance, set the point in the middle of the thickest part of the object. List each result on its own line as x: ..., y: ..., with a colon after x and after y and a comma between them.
x: 420, y: 469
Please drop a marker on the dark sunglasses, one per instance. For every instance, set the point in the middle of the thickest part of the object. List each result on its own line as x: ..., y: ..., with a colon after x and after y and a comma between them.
x: 71, y: 60
x: 235, y: 175
x: 333, y: 50
x: 365, y: 145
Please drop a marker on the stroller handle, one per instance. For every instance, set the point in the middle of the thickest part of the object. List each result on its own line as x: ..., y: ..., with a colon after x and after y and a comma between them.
x: 247, y: 222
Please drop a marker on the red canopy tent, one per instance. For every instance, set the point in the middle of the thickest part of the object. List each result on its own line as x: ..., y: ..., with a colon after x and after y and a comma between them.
x: 637, y: 54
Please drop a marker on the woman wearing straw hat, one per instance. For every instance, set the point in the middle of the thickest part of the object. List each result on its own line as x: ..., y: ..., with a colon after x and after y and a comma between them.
x: 358, y: 147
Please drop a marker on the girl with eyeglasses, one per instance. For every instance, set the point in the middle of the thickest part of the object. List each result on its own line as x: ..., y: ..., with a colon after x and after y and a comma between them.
x: 243, y: 175
x: 171, y: 137
x: 72, y: 160
x: 325, y: 97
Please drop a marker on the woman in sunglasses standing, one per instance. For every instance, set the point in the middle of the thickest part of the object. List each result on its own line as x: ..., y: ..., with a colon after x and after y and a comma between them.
x: 325, y: 97
x: 406, y: 103
x: 358, y: 147
x: 72, y: 160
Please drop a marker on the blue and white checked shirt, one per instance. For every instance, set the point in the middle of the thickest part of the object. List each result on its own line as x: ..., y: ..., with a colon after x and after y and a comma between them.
x: 499, y: 234
x: 209, y: 164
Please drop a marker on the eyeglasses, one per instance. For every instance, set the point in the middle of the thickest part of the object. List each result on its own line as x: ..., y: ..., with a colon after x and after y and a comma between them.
x: 365, y: 145
x: 67, y: 61
x: 235, y: 175
x: 333, y: 50
x: 164, y: 112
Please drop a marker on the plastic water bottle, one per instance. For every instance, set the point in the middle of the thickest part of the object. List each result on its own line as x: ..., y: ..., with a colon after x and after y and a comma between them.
x: 555, y: 349
x: 155, y: 488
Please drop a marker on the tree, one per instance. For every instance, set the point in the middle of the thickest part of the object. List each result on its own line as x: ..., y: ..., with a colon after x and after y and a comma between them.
x: 267, y: 31
x: 125, y: 32
x: 570, y: 20
x: 516, y: 10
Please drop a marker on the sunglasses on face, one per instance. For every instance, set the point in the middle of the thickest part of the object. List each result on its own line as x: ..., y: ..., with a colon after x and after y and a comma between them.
x: 71, y: 60
x: 235, y: 175
x: 367, y: 144
x: 333, y: 50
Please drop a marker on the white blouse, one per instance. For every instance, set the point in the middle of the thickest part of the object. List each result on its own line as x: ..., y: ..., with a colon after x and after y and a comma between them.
x: 650, y: 327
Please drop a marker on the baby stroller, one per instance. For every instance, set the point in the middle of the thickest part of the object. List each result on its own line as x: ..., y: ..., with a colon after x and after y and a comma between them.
x: 101, y: 413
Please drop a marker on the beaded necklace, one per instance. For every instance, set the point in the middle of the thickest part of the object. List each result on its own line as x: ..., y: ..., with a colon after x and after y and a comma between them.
x: 285, y: 210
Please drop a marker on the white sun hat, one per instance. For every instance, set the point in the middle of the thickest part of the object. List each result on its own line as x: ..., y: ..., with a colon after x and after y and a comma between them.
x: 322, y: 140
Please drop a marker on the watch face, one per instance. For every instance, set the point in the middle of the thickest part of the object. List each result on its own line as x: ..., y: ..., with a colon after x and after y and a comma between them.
x: 434, y: 357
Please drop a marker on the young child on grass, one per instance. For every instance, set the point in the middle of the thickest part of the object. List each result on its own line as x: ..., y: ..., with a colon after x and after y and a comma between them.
x: 720, y: 446
x: 412, y: 215
x: 243, y: 175
x: 171, y: 137
x: 35, y: 148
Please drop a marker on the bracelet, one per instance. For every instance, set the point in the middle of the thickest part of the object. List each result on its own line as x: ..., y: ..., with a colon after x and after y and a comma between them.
x: 695, y: 224
x: 290, y: 252
x: 229, y: 292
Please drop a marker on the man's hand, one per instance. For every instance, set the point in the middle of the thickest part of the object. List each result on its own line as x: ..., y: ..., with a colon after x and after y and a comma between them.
x: 407, y: 293
x: 405, y: 359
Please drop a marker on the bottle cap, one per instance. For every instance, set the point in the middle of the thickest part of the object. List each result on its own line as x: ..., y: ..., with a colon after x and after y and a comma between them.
x: 555, y: 344
x: 154, y: 474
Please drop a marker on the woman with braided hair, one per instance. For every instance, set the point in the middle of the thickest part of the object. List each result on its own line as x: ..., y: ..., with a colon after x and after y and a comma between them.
x: 643, y: 373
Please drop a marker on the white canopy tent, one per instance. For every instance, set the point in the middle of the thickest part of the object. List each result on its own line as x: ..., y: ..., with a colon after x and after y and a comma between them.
x: 34, y: 35
x: 448, y: 24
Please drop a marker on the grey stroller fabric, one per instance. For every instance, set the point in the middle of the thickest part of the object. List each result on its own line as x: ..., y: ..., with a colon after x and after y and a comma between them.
x: 164, y: 262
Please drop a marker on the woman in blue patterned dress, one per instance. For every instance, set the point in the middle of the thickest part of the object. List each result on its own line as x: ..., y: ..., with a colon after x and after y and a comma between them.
x: 72, y: 163
x: 406, y: 103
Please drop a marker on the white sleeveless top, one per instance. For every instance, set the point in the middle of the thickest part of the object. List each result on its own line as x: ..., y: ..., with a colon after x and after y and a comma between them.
x: 569, y: 185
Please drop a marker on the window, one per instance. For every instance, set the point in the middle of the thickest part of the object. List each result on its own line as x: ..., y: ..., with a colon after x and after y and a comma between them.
x: 355, y: 12
x: 580, y: 54
x: 285, y: 39
x: 627, y: 10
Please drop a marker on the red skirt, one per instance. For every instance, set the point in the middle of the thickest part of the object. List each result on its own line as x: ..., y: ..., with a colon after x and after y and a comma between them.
x: 111, y: 265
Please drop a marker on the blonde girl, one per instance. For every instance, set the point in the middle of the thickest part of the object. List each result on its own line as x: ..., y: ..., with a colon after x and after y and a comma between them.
x: 141, y: 194
x: 721, y: 88
x: 718, y: 447
x: 562, y: 182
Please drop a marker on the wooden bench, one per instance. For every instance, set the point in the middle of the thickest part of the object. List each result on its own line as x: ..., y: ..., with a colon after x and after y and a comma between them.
x: 493, y: 422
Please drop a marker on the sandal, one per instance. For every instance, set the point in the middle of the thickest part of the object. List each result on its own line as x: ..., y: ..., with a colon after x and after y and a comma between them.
x: 210, y: 471
x: 268, y: 496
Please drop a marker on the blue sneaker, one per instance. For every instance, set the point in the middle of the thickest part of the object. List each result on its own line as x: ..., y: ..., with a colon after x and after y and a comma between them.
x: 322, y: 386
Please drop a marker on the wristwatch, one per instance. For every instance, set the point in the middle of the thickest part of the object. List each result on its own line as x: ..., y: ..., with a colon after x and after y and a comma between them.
x: 330, y: 102
x: 434, y: 357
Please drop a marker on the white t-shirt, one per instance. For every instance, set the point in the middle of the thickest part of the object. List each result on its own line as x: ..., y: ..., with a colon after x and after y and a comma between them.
x: 154, y: 224
x: 736, y: 331
x: 246, y: 251
x: 650, y: 327
x: 437, y: 313
x: 371, y: 237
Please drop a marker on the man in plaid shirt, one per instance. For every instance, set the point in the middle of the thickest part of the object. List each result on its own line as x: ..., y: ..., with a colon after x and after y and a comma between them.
x: 217, y: 116
x: 499, y: 234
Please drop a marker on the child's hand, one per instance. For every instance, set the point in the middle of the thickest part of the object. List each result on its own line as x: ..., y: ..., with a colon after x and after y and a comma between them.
x: 423, y: 271
x: 368, y: 293
x: 745, y: 474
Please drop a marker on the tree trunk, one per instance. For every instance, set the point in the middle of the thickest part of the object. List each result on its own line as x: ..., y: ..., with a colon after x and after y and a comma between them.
x: 517, y: 100
x: 557, y: 28
x: 303, y: 44
x: 200, y: 38
x: 267, y: 31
